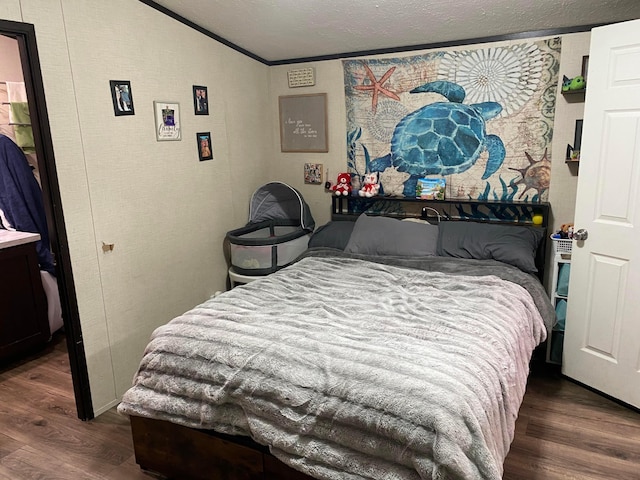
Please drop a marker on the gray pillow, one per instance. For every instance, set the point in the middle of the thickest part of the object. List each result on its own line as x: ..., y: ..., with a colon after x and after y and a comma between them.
x: 332, y: 234
x: 515, y: 245
x: 374, y: 235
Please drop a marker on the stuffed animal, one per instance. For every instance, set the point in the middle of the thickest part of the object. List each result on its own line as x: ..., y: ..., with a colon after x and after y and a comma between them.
x: 566, y: 230
x: 371, y: 185
x: 577, y: 83
x: 343, y: 185
x: 573, y: 84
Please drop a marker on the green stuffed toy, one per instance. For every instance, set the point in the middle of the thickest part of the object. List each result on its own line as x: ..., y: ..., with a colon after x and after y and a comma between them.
x: 572, y: 84
x: 577, y: 83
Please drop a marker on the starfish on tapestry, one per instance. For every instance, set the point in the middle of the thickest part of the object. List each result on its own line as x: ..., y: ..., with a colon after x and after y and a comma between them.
x: 377, y: 86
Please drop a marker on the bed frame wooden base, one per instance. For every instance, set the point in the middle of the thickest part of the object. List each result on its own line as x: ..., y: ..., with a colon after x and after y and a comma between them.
x: 183, y: 453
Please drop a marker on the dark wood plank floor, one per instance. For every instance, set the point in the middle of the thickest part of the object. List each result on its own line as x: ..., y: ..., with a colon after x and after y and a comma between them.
x: 40, y: 434
x: 563, y: 432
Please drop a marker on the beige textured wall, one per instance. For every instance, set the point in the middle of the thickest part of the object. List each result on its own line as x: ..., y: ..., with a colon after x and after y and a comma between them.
x: 330, y: 80
x: 564, y: 177
x: 165, y: 212
x: 10, y: 10
x: 289, y: 167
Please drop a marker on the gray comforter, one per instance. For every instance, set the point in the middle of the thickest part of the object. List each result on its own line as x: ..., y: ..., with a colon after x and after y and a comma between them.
x: 351, y: 369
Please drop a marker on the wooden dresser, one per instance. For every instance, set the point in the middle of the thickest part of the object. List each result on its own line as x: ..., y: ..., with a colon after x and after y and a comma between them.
x: 23, y: 305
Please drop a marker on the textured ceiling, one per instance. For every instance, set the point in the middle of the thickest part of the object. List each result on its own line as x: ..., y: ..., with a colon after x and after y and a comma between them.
x: 278, y: 30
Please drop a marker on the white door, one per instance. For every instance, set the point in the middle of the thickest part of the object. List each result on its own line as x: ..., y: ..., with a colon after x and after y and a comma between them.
x: 602, y: 337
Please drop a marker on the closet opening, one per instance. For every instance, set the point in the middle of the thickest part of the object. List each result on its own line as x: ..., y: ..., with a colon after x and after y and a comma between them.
x: 37, y: 144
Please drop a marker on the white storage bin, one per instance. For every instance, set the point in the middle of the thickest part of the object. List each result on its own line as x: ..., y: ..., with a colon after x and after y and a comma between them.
x: 562, y: 245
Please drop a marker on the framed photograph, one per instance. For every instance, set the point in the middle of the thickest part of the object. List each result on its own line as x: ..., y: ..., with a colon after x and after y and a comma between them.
x: 200, y: 100
x: 313, y: 173
x: 167, y: 116
x: 585, y: 67
x: 573, y: 151
x: 577, y: 136
x: 204, y: 146
x: 303, y: 123
x: 121, y: 97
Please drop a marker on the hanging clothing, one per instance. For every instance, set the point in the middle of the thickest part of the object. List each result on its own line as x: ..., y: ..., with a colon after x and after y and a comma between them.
x: 21, y: 200
x: 19, y: 116
x: 22, y: 126
x: 16, y: 92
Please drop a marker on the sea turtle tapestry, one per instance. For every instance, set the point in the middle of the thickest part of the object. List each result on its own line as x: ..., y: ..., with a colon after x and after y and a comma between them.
x: 481, y: 118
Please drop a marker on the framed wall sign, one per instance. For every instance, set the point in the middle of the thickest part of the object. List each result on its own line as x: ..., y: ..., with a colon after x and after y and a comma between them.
x: 301, y: 77
x: 167, y: 121
x: 303, y: 123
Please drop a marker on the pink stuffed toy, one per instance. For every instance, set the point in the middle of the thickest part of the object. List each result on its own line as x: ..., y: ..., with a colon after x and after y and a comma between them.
x: 371, y: 185
x: 343, y: 185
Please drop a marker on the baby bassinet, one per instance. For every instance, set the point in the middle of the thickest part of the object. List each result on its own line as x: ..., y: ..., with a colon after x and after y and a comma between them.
x: 279, y: 228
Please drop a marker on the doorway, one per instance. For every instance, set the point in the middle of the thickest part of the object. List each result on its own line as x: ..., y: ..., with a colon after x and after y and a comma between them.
x: 24, y: 34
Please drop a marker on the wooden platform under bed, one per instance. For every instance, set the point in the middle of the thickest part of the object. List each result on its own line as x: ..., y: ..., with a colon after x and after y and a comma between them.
x: 185, y: 453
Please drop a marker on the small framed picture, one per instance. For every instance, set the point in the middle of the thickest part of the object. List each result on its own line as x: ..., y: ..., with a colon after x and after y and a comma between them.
x: 313, y: 173
x: 204, y: 146
x: 167, y: 116
x: 585, y: 67
x: 577, y: 136
x: 200, y: 100
x: 121, y: 97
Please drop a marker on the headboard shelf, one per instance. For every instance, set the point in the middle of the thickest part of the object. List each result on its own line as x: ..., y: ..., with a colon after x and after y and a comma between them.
x: 495, y: 211
x: 468, y: 210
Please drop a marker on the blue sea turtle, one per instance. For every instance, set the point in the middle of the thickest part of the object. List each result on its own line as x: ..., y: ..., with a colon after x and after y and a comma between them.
x: 442, y: 138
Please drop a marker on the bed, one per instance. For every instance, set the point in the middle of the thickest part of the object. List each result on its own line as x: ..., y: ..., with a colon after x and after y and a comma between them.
x: 387, y: 351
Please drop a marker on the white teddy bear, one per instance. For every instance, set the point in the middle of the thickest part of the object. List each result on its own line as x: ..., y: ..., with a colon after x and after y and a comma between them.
x: 371, y: 185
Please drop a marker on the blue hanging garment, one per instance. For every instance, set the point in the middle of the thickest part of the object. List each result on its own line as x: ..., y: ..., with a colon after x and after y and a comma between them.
x: 21, y: 199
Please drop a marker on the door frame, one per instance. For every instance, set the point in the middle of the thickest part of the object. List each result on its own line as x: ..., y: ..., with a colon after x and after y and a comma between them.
x: 26, y: 37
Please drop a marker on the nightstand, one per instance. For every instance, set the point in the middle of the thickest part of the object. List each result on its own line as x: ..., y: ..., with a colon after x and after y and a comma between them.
x: 23, y: 313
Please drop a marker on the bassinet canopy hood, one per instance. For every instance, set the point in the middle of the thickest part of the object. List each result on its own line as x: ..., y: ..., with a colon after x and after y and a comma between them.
x: 277, y: 201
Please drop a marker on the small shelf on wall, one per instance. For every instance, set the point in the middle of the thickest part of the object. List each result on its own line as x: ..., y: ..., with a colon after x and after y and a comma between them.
x: 575, y: 92
x: 584, y: 72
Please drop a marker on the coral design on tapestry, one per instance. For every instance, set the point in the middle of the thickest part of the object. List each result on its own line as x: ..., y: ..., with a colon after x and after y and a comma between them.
x: 478, y: 117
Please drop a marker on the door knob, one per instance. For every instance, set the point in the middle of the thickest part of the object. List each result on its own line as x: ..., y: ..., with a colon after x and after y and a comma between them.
x: 581, y: 235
